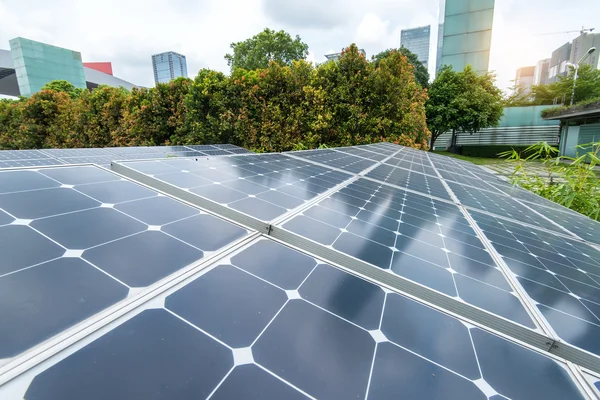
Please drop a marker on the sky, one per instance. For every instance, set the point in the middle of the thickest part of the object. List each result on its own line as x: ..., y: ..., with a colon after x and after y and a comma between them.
x: 128, y: 32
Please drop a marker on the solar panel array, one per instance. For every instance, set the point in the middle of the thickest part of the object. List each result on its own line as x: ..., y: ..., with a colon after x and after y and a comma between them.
x: 104, y: 156
x: 372, y: 271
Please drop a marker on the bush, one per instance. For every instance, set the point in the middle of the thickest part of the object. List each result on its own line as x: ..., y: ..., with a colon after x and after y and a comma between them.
x: 578, y: 188
x: 278, y: 108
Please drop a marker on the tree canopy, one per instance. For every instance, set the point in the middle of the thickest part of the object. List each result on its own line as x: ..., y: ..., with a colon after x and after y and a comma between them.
x: 587, y: 88
x: 277, y: 108
x: 420, y: 71
x: 269, y: 45
x: 462, y: 101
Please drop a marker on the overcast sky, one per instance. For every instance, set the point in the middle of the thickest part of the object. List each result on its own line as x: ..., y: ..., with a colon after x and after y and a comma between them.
x: 128, y: 32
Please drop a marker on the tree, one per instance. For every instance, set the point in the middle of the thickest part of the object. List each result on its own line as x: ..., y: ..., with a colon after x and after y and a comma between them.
x: 258, y: 51
x: 462, y: 101
x: 63, y: 86
x: 588, y: 84
x: 420, y: 71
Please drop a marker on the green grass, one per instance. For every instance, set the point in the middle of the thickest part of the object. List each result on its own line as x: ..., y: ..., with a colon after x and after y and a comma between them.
x: 474, y: 160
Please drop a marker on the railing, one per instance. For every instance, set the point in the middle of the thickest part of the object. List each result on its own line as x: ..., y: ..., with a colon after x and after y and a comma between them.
x: 515, y: 136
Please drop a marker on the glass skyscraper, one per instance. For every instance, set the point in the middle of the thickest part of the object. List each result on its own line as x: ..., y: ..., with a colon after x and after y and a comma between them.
x: 465, y: 34
x: 168, y: 66
x: 37, y: 63
x: 417, y: 41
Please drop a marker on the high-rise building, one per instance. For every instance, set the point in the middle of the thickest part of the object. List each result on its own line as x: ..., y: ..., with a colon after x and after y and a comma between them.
x: 540, y: 76
x: 465, y: 34
x: 37, y: 63
x: 558, y: 62
x: 168, y: 66
x: 417, y: 41
x: 581, y: 45
x: 524, y: 79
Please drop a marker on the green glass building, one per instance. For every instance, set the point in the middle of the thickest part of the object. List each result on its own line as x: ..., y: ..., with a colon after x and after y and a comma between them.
x: 465, y: 34
x: 37, y: 63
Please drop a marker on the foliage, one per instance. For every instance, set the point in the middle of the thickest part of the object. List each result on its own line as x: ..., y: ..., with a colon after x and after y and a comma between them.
x: 587, y: 88
x: 277, y: 108
x: 554, y: 111
x: 577, y: 188
x: 420, y: 71
x: 258, y: 51
x: 63, y: 86
x: 462, y: 101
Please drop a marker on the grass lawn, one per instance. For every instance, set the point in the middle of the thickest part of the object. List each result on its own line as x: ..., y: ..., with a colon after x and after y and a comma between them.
x: 474, y: 160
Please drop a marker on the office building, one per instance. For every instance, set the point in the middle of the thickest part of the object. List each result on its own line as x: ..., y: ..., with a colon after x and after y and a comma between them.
x: 336, y: 56
x: 580, y: 47
x: 558, y: 62
x: 540, y: 75
x: 465, y: 34
x: 416, y: 40
x: 524, y: 79
x: 29, y: 65
x: 168, y: 66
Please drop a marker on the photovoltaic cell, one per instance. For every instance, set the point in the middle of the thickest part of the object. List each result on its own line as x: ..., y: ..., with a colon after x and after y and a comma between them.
x: 76, y: 240
x: 504, y: 206
x: 411, y: 180
x: 561, y: 275
x: 262, y: 186
x: 189, y: 350
x: 336, y: 159
x: 425, y: 240
x: 582, y: 226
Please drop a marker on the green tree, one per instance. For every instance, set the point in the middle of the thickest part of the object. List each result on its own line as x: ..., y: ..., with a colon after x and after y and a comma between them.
x: 462, y: 101
x: 269, y: 45
x: 588, y: 84
x: 420, y: 71
x: 64, y: 86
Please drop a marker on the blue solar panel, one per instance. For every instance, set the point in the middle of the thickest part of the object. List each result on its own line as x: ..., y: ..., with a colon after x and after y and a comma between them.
x: 290, y: 338
x: 264, y: 187
x: 76, y: 240
x: 376, y: 286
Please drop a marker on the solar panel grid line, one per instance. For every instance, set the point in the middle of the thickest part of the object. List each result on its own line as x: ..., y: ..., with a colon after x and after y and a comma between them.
x: 550, y: 220
x: 533, y: 312
x: 503, y: 217
x: 210, y: 206
x: 294, y: 156
x: 22, y: 386
x: 99, y: 322
x: 508, y: 274
x: 580, y: 377
x: 407, y: 189
x: 324, y: 164
x: 439, y: 301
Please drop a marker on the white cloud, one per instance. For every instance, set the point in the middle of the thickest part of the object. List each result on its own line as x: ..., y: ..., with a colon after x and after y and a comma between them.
x: 128, y: 32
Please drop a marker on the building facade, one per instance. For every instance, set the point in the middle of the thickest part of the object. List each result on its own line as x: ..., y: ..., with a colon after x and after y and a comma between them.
x: 580, y: 47
x: 36, y: 64
x: 417, y: 40
x: 558, y: 62
x: 168, y: 66
x: 29, y: 65
x: 465, y: 34
x: 525, y: 78
x: 540, y: 76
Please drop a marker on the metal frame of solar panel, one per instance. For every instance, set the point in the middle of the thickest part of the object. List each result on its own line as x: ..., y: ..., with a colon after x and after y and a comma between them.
x: 366, y: 254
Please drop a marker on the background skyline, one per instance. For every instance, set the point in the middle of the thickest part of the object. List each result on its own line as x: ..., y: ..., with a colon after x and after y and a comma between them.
x: 127, y: 33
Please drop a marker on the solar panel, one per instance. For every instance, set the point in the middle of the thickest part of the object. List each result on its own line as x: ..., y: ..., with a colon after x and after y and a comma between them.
x: 410, y: 180
x: 372, y: 271
x: 560, y: 275
x: 288, y: 337
x: 104, y: 156
x: 335, y: 159
x: 261, y: 186
x: 76, y: 240
x: 427, y: 241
